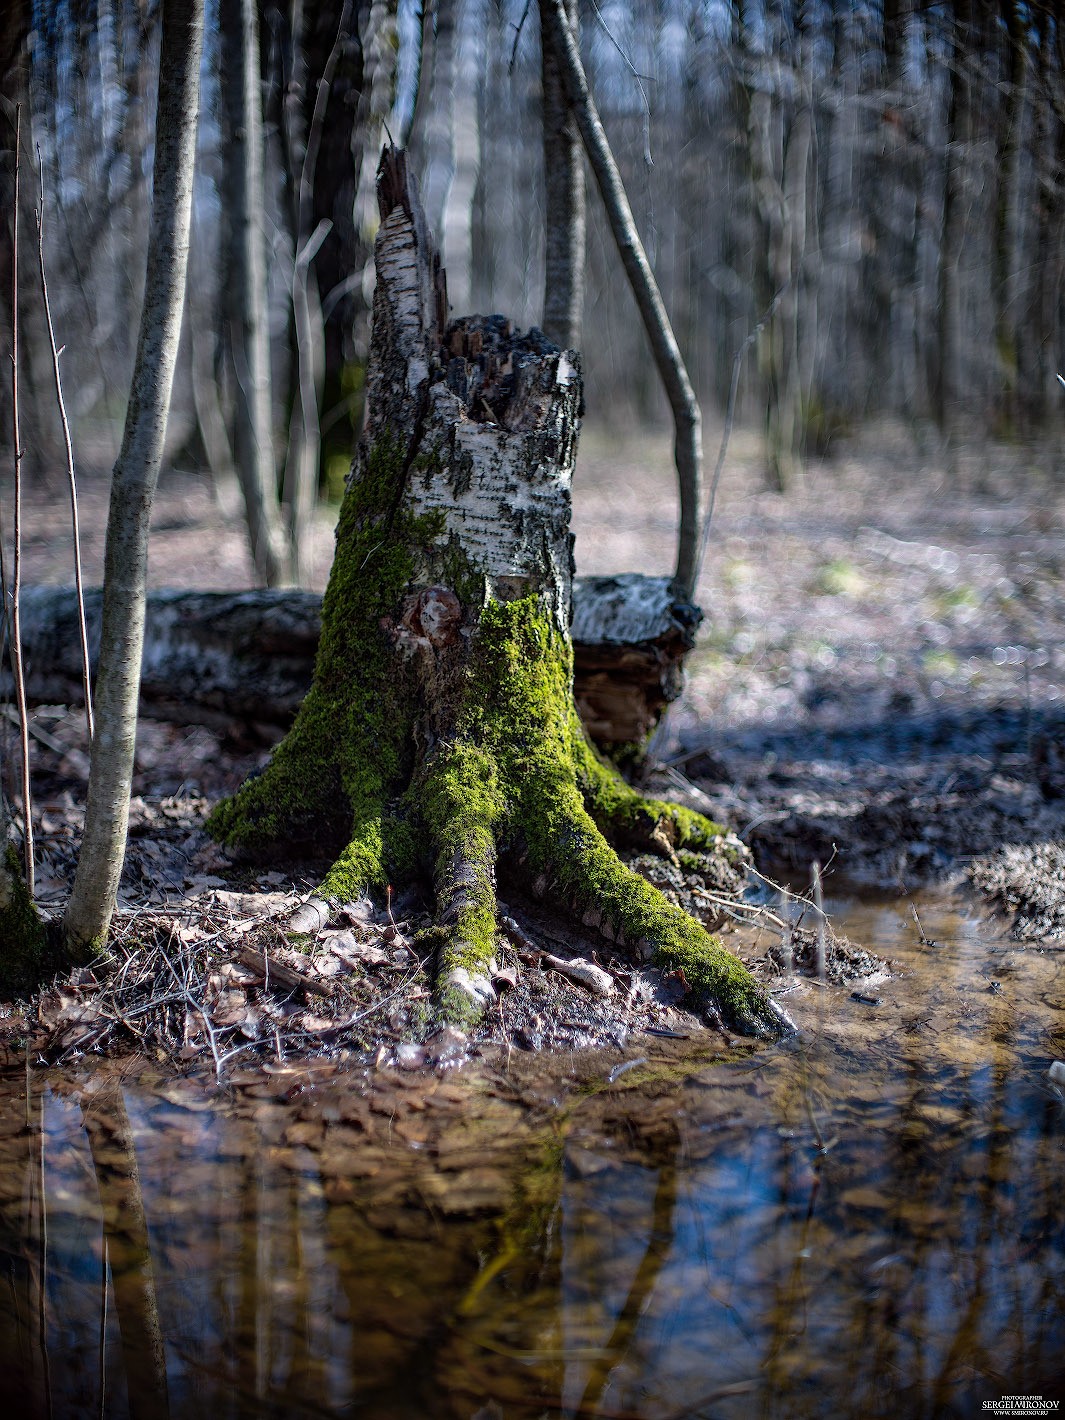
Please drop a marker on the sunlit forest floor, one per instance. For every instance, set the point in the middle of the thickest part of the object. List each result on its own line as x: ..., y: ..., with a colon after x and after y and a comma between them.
x: 879, y: 682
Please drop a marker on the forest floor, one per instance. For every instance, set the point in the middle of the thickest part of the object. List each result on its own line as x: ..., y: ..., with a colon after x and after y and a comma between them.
x: 878, y: 686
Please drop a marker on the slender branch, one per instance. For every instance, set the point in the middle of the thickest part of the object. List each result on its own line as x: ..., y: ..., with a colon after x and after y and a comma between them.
x: 517, y: 39
x: 647, y: 158
x: 68, y: 446
x: 16, y: 578
x: 687, y: 419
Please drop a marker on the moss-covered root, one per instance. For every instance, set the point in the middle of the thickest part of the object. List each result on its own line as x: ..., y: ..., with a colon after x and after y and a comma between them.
x: 527, y: 719
x: 627, y: 818
x: 585, y: 872
x: 23, y: 945
x: 463, y: 805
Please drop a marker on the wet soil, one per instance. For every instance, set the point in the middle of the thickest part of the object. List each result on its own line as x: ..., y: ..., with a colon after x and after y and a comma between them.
x: 863, y: 1220
x: 879, y: 686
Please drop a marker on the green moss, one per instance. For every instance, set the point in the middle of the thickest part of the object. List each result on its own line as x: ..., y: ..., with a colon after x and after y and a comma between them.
x: 521, y: 709
x: 462, y: 806
x: 24, y: 953
x: 330, y: 781
x: 502, y: 763
x: 626, y: 816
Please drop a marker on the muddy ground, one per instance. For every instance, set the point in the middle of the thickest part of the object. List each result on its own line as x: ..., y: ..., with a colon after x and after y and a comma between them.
x: 879, y: 686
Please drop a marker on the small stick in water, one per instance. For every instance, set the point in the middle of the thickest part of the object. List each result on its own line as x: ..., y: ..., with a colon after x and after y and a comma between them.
x: 922, y: 938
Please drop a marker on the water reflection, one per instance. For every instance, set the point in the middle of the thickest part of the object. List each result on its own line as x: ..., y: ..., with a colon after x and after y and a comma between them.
x: 865, y: 1221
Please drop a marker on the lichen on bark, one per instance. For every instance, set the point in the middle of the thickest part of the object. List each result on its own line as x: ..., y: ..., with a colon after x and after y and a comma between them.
x: 440, y: 739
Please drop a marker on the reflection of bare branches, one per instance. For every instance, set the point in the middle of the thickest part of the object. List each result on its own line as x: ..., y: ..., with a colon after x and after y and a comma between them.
x: 659, y: 1245
x: 114, y: 1158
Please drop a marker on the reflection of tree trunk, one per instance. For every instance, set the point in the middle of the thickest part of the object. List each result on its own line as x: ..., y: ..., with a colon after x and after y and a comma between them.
x: 25, y: 1383
x: 641, y: 1289
x: 114, y: 1158
x: 248, y: 1338
x: 515, y: 1303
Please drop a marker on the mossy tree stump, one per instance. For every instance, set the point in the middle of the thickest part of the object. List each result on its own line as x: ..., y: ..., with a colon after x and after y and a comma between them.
x: 440, y: 735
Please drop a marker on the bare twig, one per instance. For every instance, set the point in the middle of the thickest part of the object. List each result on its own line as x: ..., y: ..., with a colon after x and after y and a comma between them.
x: 16, y: 580
x: 68, y: 446
x: 647, y: 158
x: 735, y: 905
x: 517, y: 39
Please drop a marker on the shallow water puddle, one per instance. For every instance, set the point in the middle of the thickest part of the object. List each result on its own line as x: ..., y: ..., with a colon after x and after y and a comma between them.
x: 866, y: 1220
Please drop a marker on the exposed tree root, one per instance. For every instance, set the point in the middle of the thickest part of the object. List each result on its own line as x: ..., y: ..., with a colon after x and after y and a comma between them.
x: 518, y: 780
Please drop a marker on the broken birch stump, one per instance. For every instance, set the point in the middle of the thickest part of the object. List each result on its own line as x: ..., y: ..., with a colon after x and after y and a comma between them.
x: 439, y: 742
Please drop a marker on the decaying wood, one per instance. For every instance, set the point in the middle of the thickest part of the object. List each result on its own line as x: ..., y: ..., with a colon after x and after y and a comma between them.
x: 220, y: 658
x: 209, y: 657
x: 630, y: 637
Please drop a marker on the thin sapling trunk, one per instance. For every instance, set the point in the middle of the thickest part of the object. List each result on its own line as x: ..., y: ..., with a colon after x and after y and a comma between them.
x: 134, y: 480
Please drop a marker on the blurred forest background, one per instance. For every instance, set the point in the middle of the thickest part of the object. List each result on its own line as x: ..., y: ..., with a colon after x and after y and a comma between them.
x: 866, y: 200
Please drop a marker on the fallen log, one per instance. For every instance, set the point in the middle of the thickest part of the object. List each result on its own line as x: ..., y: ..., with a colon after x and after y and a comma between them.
x: 219, y: 658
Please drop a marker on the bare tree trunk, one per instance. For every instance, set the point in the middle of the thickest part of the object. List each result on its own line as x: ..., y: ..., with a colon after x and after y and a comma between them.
x: 247, y: 288
x: 564, y: 218
x: 687, y: 418
x: 134, y: 480
x: 301, y: 143
x: 22, y: 939
x: 331, y: 44
x: 1011, y: 219
x: 378, y: 38
x: 780, y: 149
x: 954, y: 230
x: 440, y: 733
